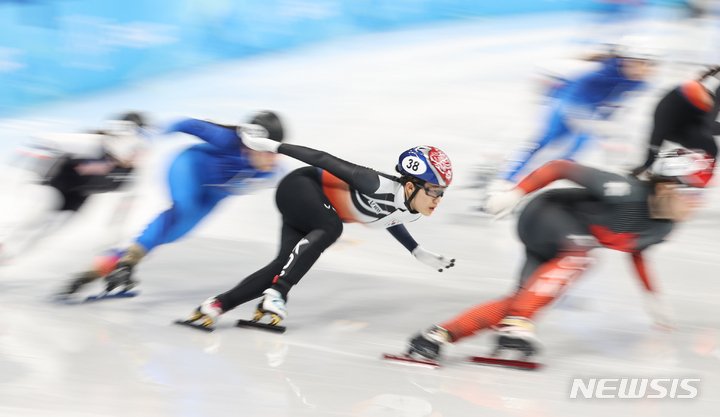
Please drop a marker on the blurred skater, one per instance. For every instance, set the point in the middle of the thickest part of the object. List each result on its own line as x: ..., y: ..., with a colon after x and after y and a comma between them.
x: 686, y: 116
x: 580, y: 107
x: 66, y: 169
x: 199, y: 178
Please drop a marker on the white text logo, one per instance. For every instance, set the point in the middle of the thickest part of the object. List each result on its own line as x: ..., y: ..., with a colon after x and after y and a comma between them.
x: 635, y: 388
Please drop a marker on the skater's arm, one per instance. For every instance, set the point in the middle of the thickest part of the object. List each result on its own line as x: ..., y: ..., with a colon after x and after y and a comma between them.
x: 402, y: 235
x: 641, y: 272
x: 433, y: 260
x: 365, y: 180
x: 601, y: 184
x: 653, y: 301
x: 656, y: 140
x: 220, y: 136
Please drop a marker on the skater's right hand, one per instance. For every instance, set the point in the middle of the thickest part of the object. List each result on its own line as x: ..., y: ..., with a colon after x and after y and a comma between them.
x: 252, y: 137
x: 434, y: 260
x: 501, y: 204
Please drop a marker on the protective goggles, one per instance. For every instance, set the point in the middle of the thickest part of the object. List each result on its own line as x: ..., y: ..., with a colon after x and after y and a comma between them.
x: 434, y: 192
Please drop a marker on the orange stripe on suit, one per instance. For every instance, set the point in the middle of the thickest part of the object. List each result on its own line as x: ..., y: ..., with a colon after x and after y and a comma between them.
x: 338, y: 192
x: 697, y: 95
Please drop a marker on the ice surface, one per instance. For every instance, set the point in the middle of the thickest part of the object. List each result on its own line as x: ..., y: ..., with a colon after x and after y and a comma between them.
x: 466, y: 87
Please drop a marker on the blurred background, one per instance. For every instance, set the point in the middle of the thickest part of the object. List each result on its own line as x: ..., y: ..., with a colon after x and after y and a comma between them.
x: 363, y: 80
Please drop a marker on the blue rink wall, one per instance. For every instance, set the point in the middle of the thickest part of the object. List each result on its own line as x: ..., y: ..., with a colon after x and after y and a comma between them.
x: 52, y: 49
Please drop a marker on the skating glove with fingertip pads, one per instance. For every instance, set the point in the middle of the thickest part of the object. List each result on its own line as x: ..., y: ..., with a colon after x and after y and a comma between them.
x: 434, y: 260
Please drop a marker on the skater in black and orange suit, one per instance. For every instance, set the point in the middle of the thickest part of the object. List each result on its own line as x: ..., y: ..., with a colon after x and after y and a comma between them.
x: 686, y: 116
x: 559, y: 227
x: 316, y: 200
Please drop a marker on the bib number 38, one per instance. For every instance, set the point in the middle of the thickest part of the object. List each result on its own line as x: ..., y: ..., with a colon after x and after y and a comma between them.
x: 414, y: 165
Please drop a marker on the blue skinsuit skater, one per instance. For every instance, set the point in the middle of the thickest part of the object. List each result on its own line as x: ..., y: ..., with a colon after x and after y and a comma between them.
x: 199, y: 178
x: 578, y: 103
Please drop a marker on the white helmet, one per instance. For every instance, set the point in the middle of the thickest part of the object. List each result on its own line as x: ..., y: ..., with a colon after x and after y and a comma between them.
x: 122, y: 140
x: 690, y: 167
x: 638, y: 47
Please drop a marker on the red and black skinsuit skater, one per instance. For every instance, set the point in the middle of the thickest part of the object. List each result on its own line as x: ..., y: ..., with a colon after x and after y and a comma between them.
x: 559, y: 228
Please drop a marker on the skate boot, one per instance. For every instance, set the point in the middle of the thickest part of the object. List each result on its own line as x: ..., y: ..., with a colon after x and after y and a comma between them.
x: 516, y: 334
x: 272, y: 304
x: 209, y: 313
x: 121, y: 276
x: 427, y: 344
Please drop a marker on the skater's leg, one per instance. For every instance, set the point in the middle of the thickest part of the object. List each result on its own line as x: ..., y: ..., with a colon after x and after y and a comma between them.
x: 304, y: 206
x: 253, y: 286
x: 520, y: 158
x: 556, y: 247
x: 477, y: 318
x: 310, y: 225
x: 554, y: 237
x: 547, y: 282
x: 249, y: 288
x: 578, y: 142
x: 192, y: 201
x: 543, y: 227
x: 488, y: 315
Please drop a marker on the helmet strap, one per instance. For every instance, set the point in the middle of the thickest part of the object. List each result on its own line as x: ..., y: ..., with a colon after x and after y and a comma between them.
x: 409, y: 199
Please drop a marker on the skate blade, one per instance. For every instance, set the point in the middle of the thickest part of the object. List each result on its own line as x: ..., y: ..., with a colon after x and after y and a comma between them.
x: 409, y: 360
x: 67, y: 299
x: 194, y: 325
x: 121, y: 294
x: 508, y: 363
x: 262, y: 326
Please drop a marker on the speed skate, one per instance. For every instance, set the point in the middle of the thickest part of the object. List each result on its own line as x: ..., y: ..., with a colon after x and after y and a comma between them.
x: 254, y: 324
x: 413, y: 359
x: 70, y: 299
x: 109, y: 295
x: 508, y: 363
x: 276, y: 316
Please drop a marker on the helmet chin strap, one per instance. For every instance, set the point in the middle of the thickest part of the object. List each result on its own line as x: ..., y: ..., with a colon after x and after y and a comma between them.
x: 409, y: 199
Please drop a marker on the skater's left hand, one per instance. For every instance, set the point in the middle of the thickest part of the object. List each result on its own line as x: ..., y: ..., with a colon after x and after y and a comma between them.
x: 501, y: 204
x: 434, y: 260
x: 255, y: 138
x: 659, y: 311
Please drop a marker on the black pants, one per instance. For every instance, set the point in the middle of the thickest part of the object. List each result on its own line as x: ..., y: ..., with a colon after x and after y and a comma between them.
x: 309, y: 226
x: 548, y: 228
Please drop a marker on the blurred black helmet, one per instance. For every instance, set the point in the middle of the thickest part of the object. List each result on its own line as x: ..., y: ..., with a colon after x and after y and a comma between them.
x: 271, y: 122
x: 130, y: 116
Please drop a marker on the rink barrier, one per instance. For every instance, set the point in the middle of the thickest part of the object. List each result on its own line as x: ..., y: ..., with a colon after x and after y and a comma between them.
x: 55, y: 49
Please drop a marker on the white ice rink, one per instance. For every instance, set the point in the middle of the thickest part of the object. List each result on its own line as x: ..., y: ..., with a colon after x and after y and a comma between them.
x: 465, y: 87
